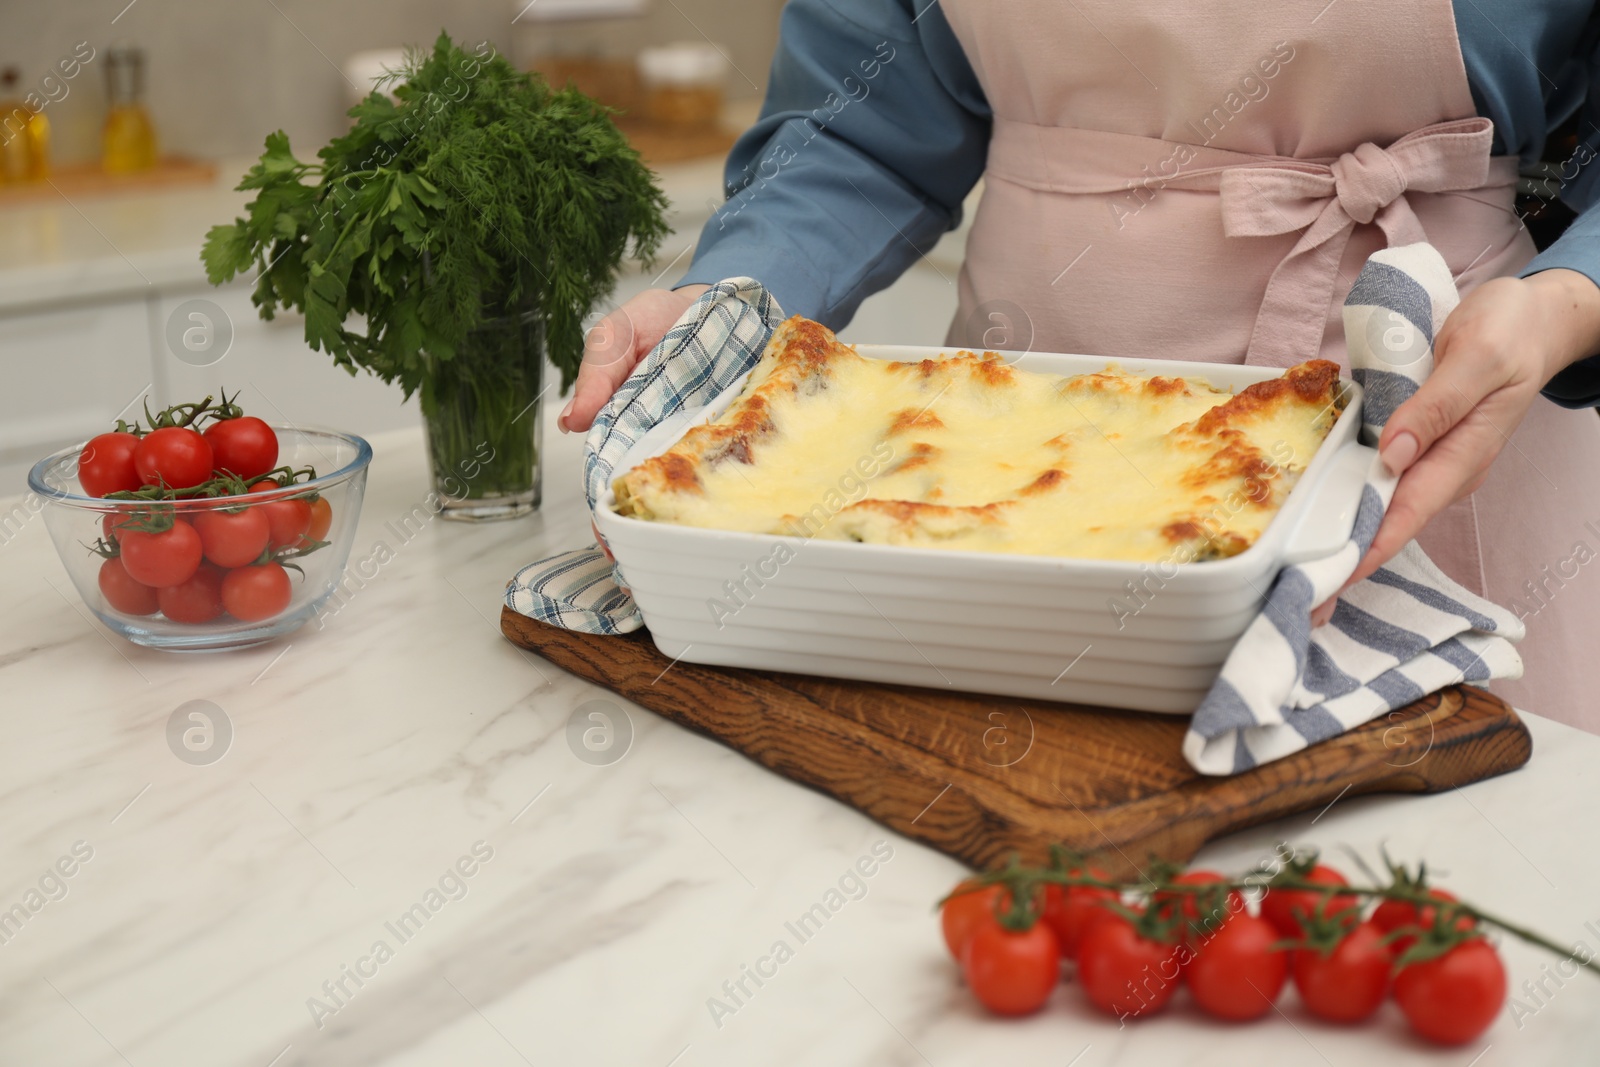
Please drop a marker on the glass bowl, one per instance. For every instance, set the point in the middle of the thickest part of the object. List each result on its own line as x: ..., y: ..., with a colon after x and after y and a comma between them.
x: 77, y: 522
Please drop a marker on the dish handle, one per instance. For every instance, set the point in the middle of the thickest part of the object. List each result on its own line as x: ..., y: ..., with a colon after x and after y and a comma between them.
x: 1325, y: 527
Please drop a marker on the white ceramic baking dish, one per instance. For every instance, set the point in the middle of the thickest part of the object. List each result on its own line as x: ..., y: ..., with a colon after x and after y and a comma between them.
x: 1124, y: 635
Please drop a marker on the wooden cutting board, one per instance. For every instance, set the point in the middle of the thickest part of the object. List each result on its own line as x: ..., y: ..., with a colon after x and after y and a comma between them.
x: 981, y: 777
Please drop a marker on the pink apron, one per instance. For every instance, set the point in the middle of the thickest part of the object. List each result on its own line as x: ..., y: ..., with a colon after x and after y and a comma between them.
x: 1205, y: 181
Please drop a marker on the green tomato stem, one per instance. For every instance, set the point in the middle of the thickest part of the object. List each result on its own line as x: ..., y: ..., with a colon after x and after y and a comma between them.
x: 1024, y: 881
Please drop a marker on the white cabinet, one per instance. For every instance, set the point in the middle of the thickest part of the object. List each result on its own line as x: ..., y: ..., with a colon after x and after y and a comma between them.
x: 65, y: 374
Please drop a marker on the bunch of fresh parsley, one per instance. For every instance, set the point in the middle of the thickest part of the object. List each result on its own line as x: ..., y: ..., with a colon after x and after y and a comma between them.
x: 481, y: 193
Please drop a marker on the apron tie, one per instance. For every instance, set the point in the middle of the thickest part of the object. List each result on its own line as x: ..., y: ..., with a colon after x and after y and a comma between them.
x: 1328, y: 201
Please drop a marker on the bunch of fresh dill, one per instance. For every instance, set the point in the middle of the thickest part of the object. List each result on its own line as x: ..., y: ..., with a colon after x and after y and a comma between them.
x: 481, y: 193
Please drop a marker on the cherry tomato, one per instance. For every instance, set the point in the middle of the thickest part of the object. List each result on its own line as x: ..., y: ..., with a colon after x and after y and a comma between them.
x: 1279, y: 905
x: 289, y: 519
x: 175, y: 456
x: 197, y: 600
x: 1070, y: 910
x: 1235, y: 973
x: 1395, y: 914
x: 1348, y: 984
x: 321, y: 519
x: 252, y: 594
x: 245, y: 446
x: 106, y: 464
x: 233, y: 538
x: 111, y: 522
x: 964, y: 913
x: 1189, y: 903
x: 161, y: 559
x: 1453, y: 998
x: 124, y: 594
x: 1124, y: 973
x: 1012, y: 972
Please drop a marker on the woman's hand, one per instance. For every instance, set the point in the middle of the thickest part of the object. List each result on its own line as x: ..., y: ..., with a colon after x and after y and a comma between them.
x: 616, y: 345
x: 613, y: 348
x: 1503, y: 342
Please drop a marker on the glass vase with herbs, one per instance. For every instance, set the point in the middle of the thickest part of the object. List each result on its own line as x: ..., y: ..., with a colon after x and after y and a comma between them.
x: 457, y: 234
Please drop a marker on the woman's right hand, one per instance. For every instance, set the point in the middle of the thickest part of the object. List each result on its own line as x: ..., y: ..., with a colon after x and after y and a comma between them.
x: 615, y: 346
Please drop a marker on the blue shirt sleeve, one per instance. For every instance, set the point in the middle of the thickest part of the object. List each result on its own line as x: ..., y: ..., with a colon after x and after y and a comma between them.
x: 1532, y: 66
x: 873, y: 131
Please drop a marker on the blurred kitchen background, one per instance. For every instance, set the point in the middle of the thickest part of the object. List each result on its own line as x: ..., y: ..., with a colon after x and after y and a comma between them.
x: 125, y: 127
x: 222, y: 75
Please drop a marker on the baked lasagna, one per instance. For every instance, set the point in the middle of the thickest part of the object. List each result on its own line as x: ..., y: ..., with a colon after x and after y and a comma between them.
x: 968, y: 452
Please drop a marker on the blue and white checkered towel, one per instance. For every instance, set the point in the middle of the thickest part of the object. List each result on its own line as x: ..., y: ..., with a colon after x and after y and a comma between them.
x: 719, y: 338
x: 1405, y: 632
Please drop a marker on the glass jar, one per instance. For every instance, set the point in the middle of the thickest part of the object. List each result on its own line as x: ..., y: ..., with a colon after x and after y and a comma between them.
x: 683, y: 84
x: 483, y: 414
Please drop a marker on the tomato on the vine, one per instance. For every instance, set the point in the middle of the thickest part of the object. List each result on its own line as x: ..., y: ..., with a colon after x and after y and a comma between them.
x: 1011, y: 972
x: 1349, y: 983
x: 1395, y: 915
x: 1453, y: 998
x: 161, y: 559
x: 173, y: 456
x: 106, y: 464
x: 1279, y: 906
x: 254, y: 593
x: 1236, y: 974
x: 245, y: 446
x: 1070, y: 910
x: 124, y: 594
x: 321, y: 520
x: 197, y: 600
x: 965, y: 912
x: 111, y: 524
x: 289, y: 519
x: 1125, y: 973
x: 1189, y: 904
x: 233, y: 538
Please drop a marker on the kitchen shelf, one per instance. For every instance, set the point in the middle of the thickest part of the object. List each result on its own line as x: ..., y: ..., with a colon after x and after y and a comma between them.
x: 88, y: 180
x: 660, y: 144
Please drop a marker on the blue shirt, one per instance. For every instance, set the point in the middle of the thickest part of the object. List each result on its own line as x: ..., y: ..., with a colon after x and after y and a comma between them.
x: 859, y: 164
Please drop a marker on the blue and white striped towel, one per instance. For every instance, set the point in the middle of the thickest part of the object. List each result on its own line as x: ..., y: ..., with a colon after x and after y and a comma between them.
x: 719, y: 338
x: 1404, y: 632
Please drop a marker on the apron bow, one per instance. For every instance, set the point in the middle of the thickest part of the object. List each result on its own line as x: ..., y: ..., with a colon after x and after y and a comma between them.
x: 1327, y: 201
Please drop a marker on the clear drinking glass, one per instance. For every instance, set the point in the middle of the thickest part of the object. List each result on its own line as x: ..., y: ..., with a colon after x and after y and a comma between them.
x: 483, y: 416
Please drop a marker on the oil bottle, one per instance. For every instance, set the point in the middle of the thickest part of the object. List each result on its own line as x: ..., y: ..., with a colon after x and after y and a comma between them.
x: 24, y: 135
x: 128, y: 140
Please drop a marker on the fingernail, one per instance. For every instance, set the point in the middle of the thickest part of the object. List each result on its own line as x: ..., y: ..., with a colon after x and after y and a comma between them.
x: 1401, y: 451
x: 561, y: 420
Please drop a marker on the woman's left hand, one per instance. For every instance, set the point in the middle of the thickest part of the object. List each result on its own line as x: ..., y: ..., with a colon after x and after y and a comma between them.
x: 1503, y: 342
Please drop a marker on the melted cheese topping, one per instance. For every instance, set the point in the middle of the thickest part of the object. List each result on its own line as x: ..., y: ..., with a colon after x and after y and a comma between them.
x: 967, y: 452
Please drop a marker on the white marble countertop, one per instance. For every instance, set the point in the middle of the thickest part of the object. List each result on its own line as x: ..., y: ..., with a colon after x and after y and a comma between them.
x: 372, y: 755
x: 59, y: 250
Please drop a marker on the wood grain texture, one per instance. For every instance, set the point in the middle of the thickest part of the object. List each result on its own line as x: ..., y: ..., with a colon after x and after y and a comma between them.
x: 981, y: 777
